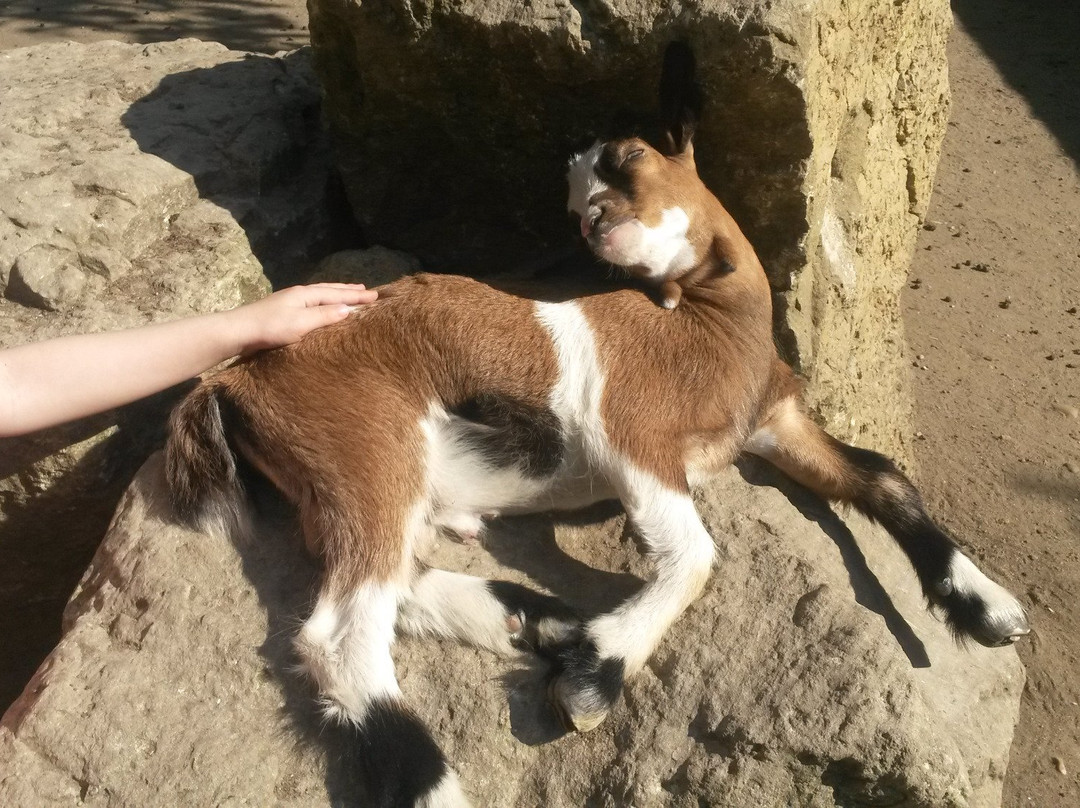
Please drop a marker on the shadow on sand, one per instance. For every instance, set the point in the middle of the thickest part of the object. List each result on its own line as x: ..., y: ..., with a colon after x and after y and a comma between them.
x: 1034, y: 45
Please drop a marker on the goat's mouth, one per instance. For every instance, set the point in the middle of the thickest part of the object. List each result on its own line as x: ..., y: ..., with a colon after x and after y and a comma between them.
x: 617, y: 240
x: 597, y: 228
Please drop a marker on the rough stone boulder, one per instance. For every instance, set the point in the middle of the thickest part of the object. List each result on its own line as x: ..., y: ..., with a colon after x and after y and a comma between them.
x: 821, y: 133
x: 808, y: 674
x: 137, y: 183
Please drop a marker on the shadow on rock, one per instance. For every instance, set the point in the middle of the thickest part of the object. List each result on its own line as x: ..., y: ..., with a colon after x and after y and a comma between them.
x: 255, y: 25
x: 869, y: 593
x: 286, y: 579
x: 43, y: 539
x: 528, y: 544
x: 249, y: 134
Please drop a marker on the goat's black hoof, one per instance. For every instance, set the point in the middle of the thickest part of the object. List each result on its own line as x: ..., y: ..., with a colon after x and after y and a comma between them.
x: 1000, y: 630
x: 577, y: 710
x: 584, y: 687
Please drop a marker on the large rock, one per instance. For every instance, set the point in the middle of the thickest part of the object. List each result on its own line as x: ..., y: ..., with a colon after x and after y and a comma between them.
x: 808, y: 674
x: 137, y: 183
x: 821, y: 133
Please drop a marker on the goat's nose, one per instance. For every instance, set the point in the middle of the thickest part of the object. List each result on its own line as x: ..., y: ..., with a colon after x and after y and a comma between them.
x: 589, y: 220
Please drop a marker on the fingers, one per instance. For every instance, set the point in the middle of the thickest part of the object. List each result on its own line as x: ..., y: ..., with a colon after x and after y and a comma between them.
x: 311, y: 318
x: 329, y: 294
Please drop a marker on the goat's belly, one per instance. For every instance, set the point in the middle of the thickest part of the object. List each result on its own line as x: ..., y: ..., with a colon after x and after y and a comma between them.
x: 475, y: 469
x: 575, y: 484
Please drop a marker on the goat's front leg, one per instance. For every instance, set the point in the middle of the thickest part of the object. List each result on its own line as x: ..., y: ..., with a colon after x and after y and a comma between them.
x: 589, y: 675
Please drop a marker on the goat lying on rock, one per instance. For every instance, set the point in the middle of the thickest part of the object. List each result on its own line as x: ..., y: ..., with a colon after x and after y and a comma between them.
x: 451, y: 398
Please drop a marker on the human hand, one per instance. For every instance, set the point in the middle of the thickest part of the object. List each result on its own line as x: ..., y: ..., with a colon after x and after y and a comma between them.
x: 287, y: 315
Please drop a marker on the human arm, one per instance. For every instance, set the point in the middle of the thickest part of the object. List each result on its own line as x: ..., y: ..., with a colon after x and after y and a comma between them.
x: 59, y: 380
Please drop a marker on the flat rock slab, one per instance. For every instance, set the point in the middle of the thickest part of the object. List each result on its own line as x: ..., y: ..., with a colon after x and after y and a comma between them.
x: 808, y: 674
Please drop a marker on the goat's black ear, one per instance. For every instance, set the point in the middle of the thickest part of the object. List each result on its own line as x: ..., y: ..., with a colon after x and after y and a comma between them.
x: 680, y: 98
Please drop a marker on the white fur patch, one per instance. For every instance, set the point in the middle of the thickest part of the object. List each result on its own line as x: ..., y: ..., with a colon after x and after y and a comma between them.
x: 682, y: 551
x: 447, y: 794
x: 968, y: 579
x: 462, y: 483
x: 345, y: 648
x: 577, y: 394
x: 467, y: 528
x: 662, y: 251
x: 668, y: 522
x: 449, y: 604
x: 584, y: 183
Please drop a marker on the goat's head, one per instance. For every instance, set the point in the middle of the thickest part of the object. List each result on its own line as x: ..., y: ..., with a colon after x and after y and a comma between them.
x: 647, y: 212
x: 635, y: 207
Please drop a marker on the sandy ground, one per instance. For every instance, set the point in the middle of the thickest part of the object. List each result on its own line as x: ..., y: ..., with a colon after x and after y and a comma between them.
x: 992, y: 312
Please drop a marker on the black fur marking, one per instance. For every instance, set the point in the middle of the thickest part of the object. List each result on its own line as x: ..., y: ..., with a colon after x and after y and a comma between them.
x: 535, y: 607
x: 903, y: 515
x: 195, y: 482
x: 398, y: 759
x: 611, y: 169
x: 518, y: 434
x: 966, y: 617
x: 884, y: 494
x: 582, y: 670
x: 929, y: 549
x: 681, y: 99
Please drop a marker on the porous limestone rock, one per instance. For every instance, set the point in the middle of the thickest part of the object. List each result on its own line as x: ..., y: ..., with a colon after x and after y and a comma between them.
x: 808, y: 674
x: 821, y: 133
x: 138, y: 183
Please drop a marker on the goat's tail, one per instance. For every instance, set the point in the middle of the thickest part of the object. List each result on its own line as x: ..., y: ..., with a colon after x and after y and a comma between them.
x: 973, y: 605
x: 201, y: 467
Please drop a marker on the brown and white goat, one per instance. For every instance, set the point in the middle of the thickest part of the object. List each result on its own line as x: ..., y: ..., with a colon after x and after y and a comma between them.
x: 450, y: 398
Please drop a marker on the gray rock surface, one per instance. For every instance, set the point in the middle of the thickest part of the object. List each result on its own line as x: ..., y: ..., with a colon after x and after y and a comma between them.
x: 821, y: 132
x: 137, y: 183
x: 808, y: 674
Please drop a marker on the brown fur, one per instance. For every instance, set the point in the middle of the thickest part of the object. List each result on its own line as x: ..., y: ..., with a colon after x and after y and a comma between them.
x: 334, y: 420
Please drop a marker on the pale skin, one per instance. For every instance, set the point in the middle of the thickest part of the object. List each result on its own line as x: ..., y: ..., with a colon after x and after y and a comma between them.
x: 59, y: 380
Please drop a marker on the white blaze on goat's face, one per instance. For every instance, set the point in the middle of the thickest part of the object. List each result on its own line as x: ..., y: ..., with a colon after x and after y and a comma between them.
x: 584, y: 184
x: 625, y: 220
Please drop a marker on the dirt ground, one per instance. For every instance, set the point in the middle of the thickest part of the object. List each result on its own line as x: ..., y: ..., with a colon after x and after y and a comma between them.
x: 992, y: 312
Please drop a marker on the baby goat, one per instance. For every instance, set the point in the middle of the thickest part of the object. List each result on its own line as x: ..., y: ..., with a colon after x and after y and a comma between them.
x: 451, y: 398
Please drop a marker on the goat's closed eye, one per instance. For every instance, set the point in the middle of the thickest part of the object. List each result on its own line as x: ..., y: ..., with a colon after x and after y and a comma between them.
x: 633, y: 155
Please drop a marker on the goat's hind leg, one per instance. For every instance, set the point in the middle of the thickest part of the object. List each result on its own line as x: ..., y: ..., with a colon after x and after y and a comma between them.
x: 499, y: 616
x: 973, y: 605
x: 345, y: 647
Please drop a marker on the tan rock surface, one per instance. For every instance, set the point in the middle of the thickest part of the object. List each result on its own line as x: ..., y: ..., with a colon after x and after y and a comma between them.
x: 799, y: 678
